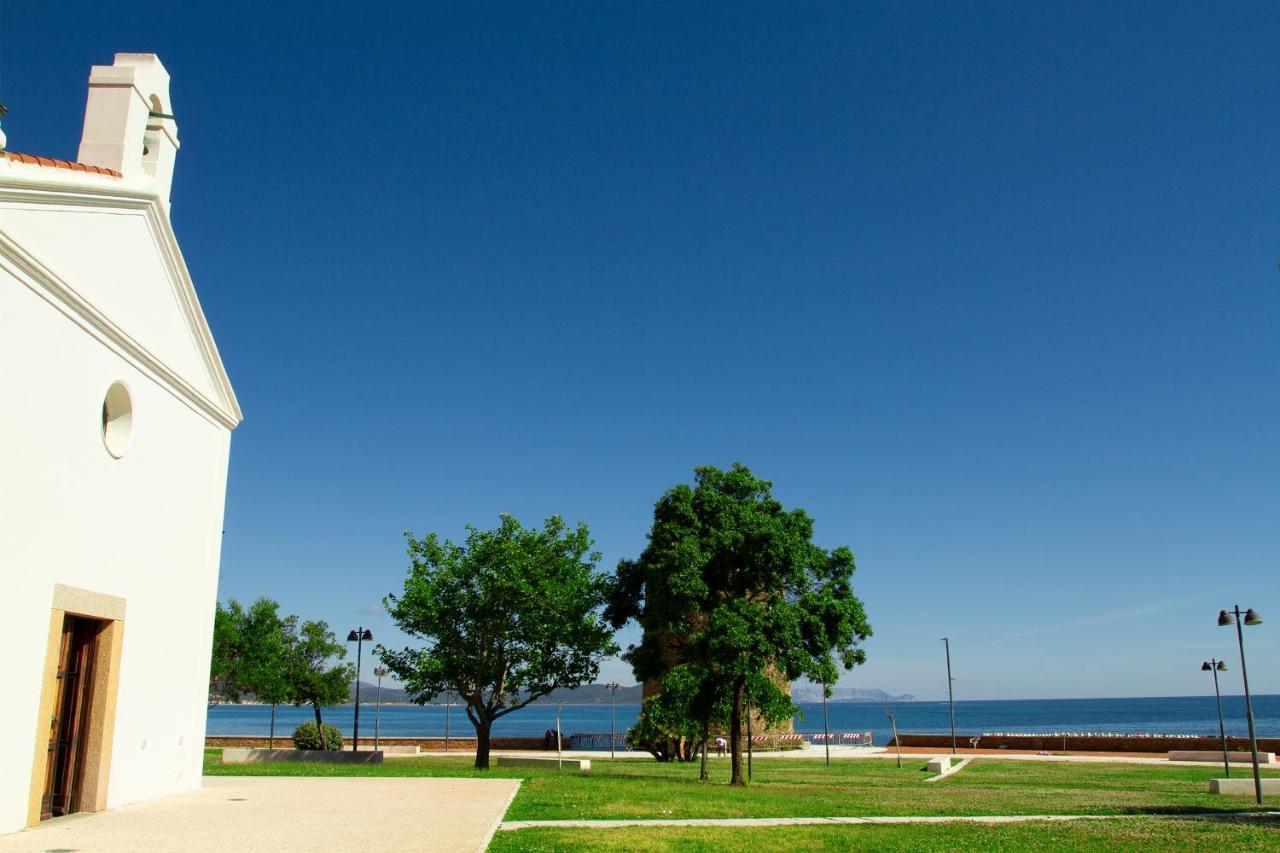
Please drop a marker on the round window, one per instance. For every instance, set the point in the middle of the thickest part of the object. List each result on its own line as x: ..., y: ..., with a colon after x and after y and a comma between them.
x: 117, y: 419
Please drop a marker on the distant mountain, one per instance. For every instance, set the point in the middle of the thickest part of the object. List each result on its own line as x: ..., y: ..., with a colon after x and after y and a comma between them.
x: 804, y: 692
x: 587, y: 694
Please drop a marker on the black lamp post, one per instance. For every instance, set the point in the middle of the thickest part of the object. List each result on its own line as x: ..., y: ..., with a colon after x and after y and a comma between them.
x: 377, y: 714
x: 613, y: 715
x: 826, y: 730
x: 1249, y: 617
x: 1217, y: 666
x: 448, y: 705
x: 951, y: 698
x: 358, y: 636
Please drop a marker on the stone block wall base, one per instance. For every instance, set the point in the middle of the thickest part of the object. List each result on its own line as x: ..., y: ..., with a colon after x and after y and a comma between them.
x: 244, y: 755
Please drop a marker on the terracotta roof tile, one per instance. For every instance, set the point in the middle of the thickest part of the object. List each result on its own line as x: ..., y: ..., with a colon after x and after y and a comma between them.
x: 59, y: 164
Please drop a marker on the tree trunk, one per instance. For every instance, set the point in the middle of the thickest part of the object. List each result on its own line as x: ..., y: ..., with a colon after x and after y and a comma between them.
x: 702, y: 776
x: 483, y: 728
x: 735, y: 732
x: 319, y: 726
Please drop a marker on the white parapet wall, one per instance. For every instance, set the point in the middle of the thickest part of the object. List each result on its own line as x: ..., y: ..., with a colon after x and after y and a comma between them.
x: 1243, y: 785
x: 1234, y: 756
x: 581, y: 765
x: 249, y: 755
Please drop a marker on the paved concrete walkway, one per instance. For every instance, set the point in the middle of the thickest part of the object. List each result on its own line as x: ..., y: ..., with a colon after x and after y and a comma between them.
x: 243, y: 814
x: 747, y: 822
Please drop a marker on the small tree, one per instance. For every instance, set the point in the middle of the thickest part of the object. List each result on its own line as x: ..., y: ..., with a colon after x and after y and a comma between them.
x: 226, y: 647
x: 311, y: 677
x: 734, y: 596
x: 508, y: 617
x: 265, y: 644
x: 250, y: 651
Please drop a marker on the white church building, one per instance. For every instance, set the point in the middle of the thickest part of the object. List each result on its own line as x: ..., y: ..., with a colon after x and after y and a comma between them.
x: 115, y: 418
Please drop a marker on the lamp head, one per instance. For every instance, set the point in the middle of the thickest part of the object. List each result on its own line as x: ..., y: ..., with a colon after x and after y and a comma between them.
x: 1222, y: 666
x: 1205, y: 667
x: 367, y: 635
x: 1225, y: 618
x: 352, y: 636
x: 1251, y: 617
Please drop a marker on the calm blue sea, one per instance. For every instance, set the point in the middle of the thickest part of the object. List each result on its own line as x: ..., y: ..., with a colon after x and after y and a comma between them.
x: 1176, y: 715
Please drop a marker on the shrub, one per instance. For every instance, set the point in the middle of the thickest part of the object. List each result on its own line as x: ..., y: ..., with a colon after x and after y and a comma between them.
x: 304, y: 737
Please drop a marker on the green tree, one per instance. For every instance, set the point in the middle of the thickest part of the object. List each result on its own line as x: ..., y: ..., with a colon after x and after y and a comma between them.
x: 508, y: 617
x: 311, y: 676
x: 250, y: 651
x: 734, y: 596
x: 265, y: 640
x: 226, y: 647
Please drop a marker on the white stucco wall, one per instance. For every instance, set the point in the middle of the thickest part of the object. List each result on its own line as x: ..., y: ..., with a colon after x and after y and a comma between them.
x: 145, y: 527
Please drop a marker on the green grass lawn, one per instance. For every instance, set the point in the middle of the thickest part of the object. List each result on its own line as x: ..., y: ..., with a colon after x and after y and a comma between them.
x: 1145, y: 833
x: 785, y: 787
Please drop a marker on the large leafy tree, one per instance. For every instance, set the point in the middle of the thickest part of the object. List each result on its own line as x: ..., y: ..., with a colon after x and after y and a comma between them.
x: 734, y: 596
x: 313, y: 674
x: 509, y: 616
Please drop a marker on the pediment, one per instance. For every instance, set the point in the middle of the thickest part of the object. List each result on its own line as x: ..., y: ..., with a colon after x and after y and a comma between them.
x: 120, y: 262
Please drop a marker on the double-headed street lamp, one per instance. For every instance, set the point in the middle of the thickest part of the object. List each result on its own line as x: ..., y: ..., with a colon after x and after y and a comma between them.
x: 358, y: 636
x: 1217, y: 666
x: 612, y: 687
x: 1249, y: 617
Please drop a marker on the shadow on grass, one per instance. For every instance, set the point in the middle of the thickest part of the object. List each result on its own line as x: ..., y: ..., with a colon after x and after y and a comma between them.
x: 1205, y: 813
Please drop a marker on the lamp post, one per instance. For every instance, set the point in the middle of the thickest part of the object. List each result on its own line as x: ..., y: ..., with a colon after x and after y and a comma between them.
x: 358, y: 636
x: 826, y: 730
x: 1249, y: 617
x: 951, y: 698
x: 897, y: 747
x: 1217, y: 666
x: 377, y: 714
x: 559, y: 749
x: 447, y: 706
x: 613, y: 715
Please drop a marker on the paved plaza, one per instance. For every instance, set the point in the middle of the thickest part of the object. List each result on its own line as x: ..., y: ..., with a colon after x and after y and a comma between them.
x: 251, y: 814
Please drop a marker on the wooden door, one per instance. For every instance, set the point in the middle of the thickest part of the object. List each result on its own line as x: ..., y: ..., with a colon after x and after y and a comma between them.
x: 70, y: 722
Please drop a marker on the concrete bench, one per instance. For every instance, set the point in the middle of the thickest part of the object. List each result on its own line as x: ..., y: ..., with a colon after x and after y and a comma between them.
x: 1243, y: 786
x: 582, y: 765
x: 246, y: 755
x: 938, y: 765
x: 401, y: 749
x: 1242, y: 756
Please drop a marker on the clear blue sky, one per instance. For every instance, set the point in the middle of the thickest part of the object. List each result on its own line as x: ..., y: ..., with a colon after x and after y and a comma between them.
x: 991, y: 291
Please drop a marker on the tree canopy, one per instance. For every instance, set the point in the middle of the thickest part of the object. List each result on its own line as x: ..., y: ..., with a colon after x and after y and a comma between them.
x: 250, y: 647
x: 734, y: 596
x: 509, y: 616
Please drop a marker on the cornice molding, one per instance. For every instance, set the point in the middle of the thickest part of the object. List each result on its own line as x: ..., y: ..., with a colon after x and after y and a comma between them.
x: 226, y: 409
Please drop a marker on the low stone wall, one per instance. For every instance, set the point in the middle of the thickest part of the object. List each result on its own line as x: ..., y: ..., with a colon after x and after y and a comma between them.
x: 1214, y: 756
x: 1087, y: 743
x: 247, y: 755
x: 426, y: 744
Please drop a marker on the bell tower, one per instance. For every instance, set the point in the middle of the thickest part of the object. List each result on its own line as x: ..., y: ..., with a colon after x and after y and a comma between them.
x: 128, y: 121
